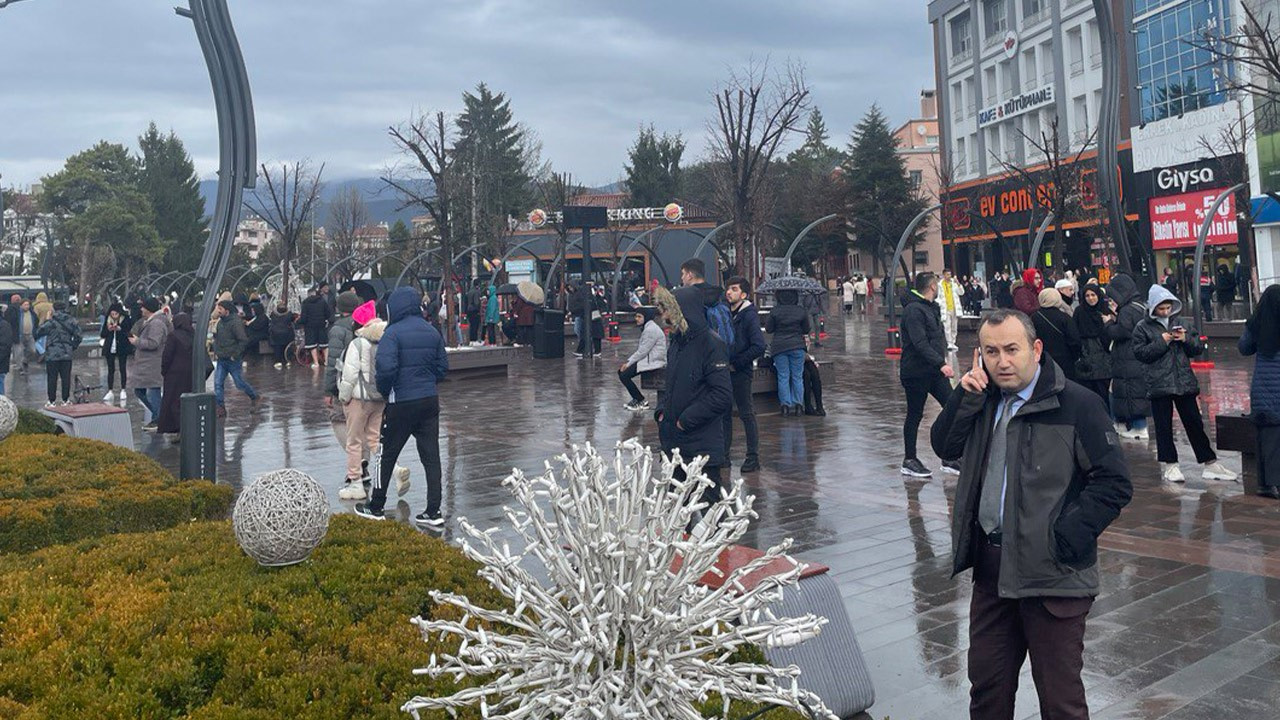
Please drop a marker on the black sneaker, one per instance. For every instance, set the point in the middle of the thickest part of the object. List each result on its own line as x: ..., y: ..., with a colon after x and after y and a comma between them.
x: 364, y: 470
x: 362, y: 509
x: 750, y: 465
x: 951, y: 467
x: 150, y: 427
x: 915, y: 468
x: 430, y: 519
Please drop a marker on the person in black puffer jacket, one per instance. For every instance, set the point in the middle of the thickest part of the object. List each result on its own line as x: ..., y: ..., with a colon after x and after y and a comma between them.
x: 923, y: 369
x: 315, y: 325
x: 62, y: 337
x: 280, y: 333
x: 789, y: 325
x: 1129, y: 401
x: 1165, y: 349
x: 698, y: 389
x: 116, y: 350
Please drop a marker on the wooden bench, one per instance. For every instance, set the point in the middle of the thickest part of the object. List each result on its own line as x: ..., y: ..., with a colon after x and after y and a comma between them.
x: 1237, y: 433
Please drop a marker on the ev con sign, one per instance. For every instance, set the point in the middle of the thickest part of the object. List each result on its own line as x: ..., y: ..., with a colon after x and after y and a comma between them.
x: 1016, y: 105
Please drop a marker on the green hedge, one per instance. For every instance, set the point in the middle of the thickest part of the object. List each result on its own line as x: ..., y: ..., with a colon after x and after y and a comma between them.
x: 31, y: 422
x: 56, y: 489
x: 181, y: 624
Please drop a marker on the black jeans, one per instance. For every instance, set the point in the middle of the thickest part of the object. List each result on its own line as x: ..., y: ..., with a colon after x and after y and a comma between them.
x: 121, y: 362
x: 55, y: 369
x: 1189, y: 411
x: 742, y: 401
x: 713, y: 493
x: 278, y: 351
x: 918, y: 390
x: 475, y: 321
x: 627, y: 377
x: 419, y: 419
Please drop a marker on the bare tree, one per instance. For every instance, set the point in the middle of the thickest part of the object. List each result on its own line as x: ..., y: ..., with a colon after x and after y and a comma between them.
x: 291, y: 193
x: 347, y: 215
x: 26, y: 230
x: 756, y: 110
x: 427, y: 181
x: 554, y: 190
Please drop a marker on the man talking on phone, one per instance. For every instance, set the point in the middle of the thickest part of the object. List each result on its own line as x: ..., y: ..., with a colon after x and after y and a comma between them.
x: 1041, y: 477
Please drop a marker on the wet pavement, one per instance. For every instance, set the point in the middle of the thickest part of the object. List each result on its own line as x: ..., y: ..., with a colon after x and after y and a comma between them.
x: 1187, y: 626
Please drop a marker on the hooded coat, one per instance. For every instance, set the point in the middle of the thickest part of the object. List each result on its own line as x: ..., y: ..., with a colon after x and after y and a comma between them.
x: 924, y: 344
x: 1166, y: 367
x: 788, y: 323
x: 1262, y: 338
x: 411, y: 356
x: 1129, y: 386
x: 359, y: 365
x: 1095, y: 345
x: 175, y: 366
x: 698, y: 389
x: 62, y: 336
x: 1057, y: 332
x: 315, y: 313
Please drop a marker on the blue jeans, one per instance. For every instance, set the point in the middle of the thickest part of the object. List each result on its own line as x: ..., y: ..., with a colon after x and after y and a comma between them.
x: 790, y: 367
x: 150, y: 398
x: 232, y: 368
x: 3, y: 375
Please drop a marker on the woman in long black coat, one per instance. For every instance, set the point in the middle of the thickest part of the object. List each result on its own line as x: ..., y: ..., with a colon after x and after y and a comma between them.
x: 1091, y: 320
x: 175, y: 366
x: 1129, y: 400
x: 1262, y: 338
x: 1056, y: 331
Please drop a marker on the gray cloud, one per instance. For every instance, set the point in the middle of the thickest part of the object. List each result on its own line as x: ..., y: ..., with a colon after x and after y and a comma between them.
x: 328, y: 77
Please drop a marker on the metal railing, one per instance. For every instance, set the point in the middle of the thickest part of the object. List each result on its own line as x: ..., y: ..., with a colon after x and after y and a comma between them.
x: 962, y: 54
x: 1077, y: 67
x: 1037, y: 17
x: 1095, y: 60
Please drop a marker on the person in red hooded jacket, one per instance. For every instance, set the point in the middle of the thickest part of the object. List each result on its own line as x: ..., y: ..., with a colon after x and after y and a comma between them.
x: 1026, y: 297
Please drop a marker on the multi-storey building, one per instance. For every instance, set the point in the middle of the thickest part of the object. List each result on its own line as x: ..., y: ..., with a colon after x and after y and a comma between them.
x: 918, y: 146
x: 255, y: 233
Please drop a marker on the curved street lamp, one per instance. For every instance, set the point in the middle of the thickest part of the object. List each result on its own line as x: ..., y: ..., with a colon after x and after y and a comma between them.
x: 893, y: 266
x: 410, y: 264
x: 786, y: 260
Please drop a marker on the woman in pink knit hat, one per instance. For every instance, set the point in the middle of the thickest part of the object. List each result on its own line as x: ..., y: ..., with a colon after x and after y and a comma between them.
x: 363, y: 405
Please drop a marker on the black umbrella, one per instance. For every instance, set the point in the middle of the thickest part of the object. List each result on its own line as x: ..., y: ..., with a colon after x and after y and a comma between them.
x: 508, y: 289
x: 799, y: 283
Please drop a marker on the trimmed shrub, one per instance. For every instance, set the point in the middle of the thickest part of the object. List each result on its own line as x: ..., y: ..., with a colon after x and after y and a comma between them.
x: 31, y: 422
x: 57, y: 489
x: 181, y: 624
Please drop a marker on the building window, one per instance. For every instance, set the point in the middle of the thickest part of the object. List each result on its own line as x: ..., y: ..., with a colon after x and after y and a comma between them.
x: 1174, y: 75
x: 917, y: 179
x: 920, y: 257
x: 995, y: 18
x: 961, y: 33
x: 931, y: 140
x: 1032, y: 8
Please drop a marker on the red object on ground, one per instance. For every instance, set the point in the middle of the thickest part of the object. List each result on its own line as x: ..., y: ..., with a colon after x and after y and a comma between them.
x: 1202, y: 365
x: 736, y: 556
x: 893, y: 351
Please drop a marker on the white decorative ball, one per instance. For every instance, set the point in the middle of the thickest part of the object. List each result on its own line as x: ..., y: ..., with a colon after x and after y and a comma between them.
x: 8, y: 417
x: 281, y: 517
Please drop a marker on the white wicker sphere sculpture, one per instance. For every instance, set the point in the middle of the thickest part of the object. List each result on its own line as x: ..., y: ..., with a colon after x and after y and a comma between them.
x: 281, y: 517
x: 8, y: 417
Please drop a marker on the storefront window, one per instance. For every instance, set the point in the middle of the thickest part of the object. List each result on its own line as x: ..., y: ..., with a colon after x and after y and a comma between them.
x: 1175, y: 74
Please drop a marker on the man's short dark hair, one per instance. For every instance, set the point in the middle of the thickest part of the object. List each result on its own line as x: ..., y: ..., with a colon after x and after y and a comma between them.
x: 696, y: 267
x: 998, y: 317
x: 743, y: 284
x: 924, y: 280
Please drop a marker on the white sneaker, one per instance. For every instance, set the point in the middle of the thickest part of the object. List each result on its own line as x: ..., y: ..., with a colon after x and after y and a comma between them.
x: 279, y: 366
x: 1141, y: 434
x: 1215, y: 471
x: 49, y: 404
x: 1170, y: 472
x: 353, y: 490
x: 1121, y: 430
x: 124, y: 398
x: 401, y: 474
x: 110, y: 397
x: 314, y: 366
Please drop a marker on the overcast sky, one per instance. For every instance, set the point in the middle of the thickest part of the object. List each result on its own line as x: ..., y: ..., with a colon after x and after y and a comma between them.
x: 327, y: 82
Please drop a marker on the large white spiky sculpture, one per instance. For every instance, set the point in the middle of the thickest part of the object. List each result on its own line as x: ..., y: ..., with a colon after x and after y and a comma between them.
x: 620, y: 628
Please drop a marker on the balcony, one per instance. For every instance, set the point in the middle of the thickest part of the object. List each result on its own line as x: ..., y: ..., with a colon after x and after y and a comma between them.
x: 1095, y: 60
x: 1037, y: 18
x: 961, y: 55
x: 1077, y: 68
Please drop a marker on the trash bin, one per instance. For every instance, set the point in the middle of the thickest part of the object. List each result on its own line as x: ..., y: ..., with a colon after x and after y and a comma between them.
x: 548, y: 333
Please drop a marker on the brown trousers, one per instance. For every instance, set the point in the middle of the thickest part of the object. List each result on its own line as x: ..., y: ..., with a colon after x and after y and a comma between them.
x: 364, y: 423
x: 1001, y: 634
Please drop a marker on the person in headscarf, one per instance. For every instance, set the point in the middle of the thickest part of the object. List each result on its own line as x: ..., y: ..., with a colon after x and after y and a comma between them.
x: 1261, y: 338
x: 1129, y: 401
x: 1066, y: 287
x: 1165, y: 348
x: 1091, y: 319
x: 1026, y: 297
x: 1056, y: 331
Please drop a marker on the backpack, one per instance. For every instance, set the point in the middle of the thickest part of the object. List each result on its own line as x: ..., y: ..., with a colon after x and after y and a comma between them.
x: 721, y: 322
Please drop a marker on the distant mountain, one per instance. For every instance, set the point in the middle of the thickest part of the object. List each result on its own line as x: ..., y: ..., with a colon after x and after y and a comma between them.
x: 382, y: 202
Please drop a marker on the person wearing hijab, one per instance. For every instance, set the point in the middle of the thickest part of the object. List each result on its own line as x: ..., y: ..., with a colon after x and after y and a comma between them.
x: 1261, y: 339
x: 1026, y: 297
x: 1056, y: 331
x: 1091, y: 320
x: 1165, y: 348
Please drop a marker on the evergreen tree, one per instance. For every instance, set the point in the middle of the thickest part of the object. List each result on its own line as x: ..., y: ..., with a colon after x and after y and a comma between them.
x: 816, y: 151
x: 492, y: 155
x: 809, y: 188
x: 399, y: 233
x: 169, y: 180
x: 653, y: 174
x: 879, y: 198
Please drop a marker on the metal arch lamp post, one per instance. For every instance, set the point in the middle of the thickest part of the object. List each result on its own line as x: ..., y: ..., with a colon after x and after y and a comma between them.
x: 617, y: 269
x: 1109, y: 134
x: 786, y: 260
x: 895, y: 345
x: 409, y: 265
x: 1035, y: 246
x: 1200, y: 241
x: 237, y: 145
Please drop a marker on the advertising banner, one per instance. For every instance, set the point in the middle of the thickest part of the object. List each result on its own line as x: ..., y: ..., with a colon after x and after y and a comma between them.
x: 1016, y: 105
x: 1176, y: 220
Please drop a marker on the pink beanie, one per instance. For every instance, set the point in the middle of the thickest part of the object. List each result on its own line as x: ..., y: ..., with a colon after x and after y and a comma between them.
x: 365, y: 313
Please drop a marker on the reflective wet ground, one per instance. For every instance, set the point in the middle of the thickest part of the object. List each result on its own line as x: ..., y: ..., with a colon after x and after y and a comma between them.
x: 1187, y: 626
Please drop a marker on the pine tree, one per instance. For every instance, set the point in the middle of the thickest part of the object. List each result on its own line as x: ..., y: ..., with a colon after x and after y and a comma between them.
x: 879, y: 199
x: 816, y: 151
x: 492, y: 157
x: 653, y: 174
x: 399, y: 233
x: 169, y: 180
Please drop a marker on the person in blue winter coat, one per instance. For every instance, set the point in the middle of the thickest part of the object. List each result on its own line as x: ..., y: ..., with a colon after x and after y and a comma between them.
x: 410, y: 361
x: 1261, y: 338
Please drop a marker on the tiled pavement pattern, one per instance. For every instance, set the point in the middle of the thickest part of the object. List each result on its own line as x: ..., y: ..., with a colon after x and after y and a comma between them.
x: 1187, y: 626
